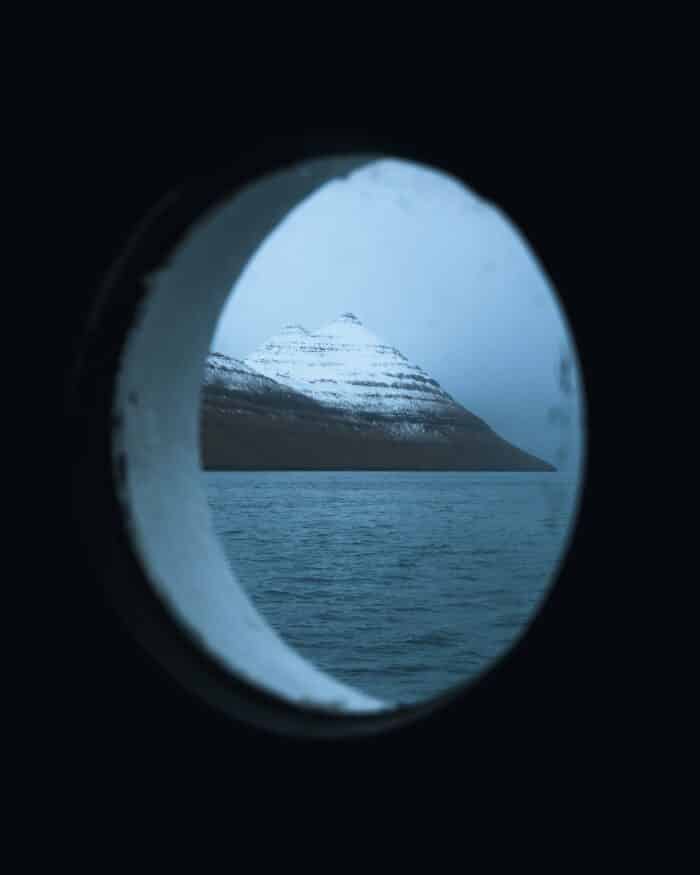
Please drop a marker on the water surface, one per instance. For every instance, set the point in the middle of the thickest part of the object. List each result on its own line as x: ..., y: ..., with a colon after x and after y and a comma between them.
x: 399, y: 583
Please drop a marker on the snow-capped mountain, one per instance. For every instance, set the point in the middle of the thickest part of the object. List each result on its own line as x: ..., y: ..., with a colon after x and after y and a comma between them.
x: 234, y: 374
x: 231, y: 385
x: 340, y: 398
x: 344, y: 365
x: 231, y: 372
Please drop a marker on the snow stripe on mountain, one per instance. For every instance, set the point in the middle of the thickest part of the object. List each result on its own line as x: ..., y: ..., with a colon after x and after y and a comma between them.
x: 346, y: 366
x: 235, y: 374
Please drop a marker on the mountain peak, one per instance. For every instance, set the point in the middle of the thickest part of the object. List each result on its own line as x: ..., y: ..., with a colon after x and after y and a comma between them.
x: 349, y: 317
x: 344, y: 365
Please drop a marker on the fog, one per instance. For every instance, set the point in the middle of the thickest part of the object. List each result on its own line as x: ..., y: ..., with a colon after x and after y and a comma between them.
x: 434, y: 271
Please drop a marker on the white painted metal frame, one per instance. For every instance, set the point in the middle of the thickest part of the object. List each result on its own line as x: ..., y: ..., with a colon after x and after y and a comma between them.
x: 158, y: 400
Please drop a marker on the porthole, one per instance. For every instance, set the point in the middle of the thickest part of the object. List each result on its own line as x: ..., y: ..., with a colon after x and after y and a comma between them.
x: 436, y: 474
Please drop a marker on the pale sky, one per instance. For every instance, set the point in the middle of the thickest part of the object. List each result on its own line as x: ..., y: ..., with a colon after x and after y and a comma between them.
x: 434, y: 271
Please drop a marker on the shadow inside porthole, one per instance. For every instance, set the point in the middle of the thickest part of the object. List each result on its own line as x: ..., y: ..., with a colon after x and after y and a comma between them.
x: 390, y: 423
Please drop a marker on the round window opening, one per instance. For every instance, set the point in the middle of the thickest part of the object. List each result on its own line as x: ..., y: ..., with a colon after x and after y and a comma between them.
x: 354, y: 422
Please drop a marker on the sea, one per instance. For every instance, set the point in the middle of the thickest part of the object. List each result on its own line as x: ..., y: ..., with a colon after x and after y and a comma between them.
x: 402, y: 584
